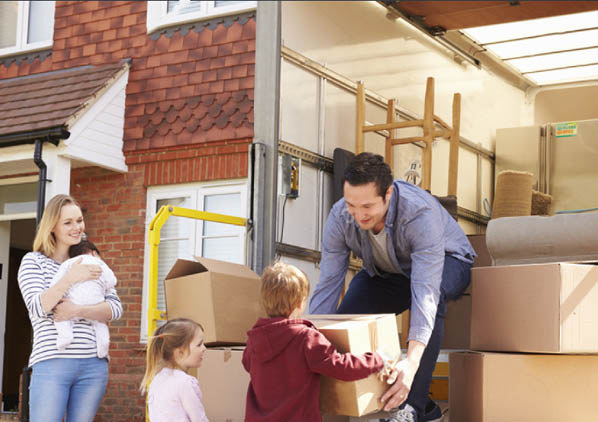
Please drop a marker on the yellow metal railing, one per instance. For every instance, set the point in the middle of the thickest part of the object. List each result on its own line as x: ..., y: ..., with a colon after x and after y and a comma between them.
x: 153, y: 313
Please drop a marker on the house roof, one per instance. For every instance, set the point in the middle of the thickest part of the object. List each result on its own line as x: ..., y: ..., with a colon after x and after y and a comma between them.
x: 53, y: 99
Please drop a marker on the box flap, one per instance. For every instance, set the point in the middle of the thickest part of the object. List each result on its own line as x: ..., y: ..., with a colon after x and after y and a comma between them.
x: 183, y: 267
x: 224, y: 267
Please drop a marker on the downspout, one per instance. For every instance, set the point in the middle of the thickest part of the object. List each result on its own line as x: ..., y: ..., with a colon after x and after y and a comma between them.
x: 41, y: 184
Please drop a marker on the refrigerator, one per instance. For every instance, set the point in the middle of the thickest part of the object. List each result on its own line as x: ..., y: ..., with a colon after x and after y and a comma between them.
x: 562, y: 156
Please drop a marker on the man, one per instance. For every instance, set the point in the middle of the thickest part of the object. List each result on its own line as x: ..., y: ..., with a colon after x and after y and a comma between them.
x: 414, y: 256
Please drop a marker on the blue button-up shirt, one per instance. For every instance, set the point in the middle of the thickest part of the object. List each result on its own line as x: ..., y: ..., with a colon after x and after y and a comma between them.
x: 420, y: 233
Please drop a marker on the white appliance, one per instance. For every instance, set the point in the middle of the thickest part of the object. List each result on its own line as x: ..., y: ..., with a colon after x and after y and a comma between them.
x: 562, y: 156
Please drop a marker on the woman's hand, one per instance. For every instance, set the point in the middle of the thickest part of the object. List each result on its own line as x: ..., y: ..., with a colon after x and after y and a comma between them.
x: 66, y: 310
x: 83, y: 272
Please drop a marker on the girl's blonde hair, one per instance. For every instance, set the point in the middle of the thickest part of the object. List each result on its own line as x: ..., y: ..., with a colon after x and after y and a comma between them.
x: 175, y: 334
x: 284, y: 288
x: 45, y: 241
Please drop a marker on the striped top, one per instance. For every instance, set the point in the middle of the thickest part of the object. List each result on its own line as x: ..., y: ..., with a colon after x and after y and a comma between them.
x: 35, y: 276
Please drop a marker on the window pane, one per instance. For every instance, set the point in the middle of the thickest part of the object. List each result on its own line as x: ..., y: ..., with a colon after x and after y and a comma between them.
x: 224, y: 249
x: 226, y: 2
x: 8, y: 23
x: 172, y: 4
x: 174, y: 242
x: 182, y: 7
x: 20, y: 198
x: 168, y: 252
x: 41, y: 21
x: 228, y: 204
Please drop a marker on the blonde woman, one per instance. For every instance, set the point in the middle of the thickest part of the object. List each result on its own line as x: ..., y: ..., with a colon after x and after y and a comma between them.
x: 73, y: 380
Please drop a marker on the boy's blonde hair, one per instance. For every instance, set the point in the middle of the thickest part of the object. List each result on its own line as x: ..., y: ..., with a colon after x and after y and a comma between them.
x: 45, y: 241
x: 175, y: 334
x: 284, y: 288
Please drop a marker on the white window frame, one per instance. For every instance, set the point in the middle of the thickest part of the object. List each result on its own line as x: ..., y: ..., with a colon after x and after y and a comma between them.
x: 197, y: 192
x: 22, y: 46
x: 158, y: 16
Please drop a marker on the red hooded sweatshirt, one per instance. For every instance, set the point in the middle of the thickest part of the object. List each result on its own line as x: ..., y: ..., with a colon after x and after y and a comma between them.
x: 284, y: 358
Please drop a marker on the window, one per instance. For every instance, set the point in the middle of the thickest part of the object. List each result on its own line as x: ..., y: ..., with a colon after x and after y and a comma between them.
x: 185, y: 238
x: 25, y: 26
x: 161, y: 14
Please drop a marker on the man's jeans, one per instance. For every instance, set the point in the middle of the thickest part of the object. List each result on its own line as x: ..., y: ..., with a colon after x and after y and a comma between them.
x: 76, y: 386
x: 372, y: 295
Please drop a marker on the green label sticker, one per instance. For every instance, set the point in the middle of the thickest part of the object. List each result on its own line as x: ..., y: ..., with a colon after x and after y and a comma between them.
x: 565, y: 130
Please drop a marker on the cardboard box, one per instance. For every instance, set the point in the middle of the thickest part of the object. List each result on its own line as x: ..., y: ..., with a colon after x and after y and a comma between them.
x: 478, y: 242
x: 224, y: 384
x: 457, y: 324
x: 356, y: 334
x: 223, y: 297
x: 497, y: 387
x: 542, y: 308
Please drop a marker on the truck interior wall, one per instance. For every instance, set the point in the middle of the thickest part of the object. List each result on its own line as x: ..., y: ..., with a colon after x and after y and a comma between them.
x: 358, y: 41
x: 566, y: 104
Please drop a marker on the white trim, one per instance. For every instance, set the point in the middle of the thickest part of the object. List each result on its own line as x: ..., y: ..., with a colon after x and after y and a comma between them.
x: 18, y: 180
x: 158, y: 16
x: 195, y: 191
x: 22, y: 31
x: 19, y: 216
x: 78, y: 145
x: 4, y: 257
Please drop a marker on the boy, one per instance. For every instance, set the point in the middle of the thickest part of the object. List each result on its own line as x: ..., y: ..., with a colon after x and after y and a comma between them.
x: 88, y: 292
x: 285, y: 354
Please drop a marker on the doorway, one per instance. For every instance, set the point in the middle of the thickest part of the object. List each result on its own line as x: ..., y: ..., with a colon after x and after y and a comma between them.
x: 17, y: 327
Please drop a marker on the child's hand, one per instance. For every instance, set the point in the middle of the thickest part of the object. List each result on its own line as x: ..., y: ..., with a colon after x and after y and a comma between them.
x: 388, y: 371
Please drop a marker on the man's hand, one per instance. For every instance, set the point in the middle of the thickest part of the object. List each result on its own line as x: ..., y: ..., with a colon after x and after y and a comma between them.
x: 65, y: 310
x: 404, y: 372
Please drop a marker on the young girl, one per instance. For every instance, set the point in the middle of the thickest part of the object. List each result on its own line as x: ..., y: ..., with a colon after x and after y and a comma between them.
x: 173, y: 395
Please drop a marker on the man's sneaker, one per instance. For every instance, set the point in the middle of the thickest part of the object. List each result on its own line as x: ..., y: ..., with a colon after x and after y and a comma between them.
x: 407, y: 414
x: 432, y: 413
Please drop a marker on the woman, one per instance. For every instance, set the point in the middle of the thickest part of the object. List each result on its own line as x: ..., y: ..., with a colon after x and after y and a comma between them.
x: 72, y: 380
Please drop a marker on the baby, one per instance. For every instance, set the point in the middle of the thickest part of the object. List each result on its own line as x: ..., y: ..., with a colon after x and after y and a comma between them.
x: 88, y: 292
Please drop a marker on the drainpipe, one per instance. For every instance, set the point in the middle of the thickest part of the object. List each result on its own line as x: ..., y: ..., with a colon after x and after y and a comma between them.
x: 41, y: 185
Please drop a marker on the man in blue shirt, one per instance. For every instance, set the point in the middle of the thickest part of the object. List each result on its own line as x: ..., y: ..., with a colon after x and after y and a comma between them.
x: 415, y: 256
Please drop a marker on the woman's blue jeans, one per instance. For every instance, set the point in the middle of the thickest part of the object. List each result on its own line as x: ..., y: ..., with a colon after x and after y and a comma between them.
x: 72, y: 386
x: 369, y: 295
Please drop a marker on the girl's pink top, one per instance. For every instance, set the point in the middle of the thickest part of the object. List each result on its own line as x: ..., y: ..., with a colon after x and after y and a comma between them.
x: 175, y: 396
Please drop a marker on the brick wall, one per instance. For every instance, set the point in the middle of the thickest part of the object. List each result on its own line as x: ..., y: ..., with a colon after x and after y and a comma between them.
x: 188, y: 118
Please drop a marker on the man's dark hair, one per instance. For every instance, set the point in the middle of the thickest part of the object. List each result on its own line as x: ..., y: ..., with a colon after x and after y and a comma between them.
x: 367, y: 168
x: 83, y: 247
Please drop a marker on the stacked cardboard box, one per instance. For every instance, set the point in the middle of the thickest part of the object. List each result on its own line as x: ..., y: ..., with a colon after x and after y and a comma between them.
x: 534, y: 342
x: 225, y: 299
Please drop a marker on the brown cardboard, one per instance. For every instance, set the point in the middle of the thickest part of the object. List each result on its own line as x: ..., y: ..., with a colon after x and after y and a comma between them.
x: 457, y: 324
x: 356, y: 334
x: 478, y: 242
x: 542, y: 308
x: 499, y: 387
x: 224, y: 384
x: 223, y: 297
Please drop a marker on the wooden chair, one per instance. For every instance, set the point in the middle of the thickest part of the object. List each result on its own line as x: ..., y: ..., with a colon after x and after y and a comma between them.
x: 433, y: 127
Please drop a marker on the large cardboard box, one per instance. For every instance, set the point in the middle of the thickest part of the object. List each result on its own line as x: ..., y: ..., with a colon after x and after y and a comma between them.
x: 478, y: 242
x: 500, y: 387
x: 224, y: 384
x: 223, y: 297
x: 356, y: 334
x: 457, y: 324
x: 543, y: 308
